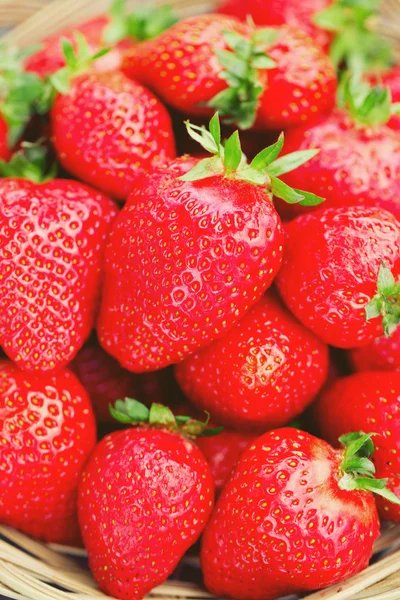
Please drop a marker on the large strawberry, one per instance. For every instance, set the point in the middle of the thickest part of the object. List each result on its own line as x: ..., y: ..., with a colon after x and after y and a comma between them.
x: 192, y: 251
x: 145, y: 497
x: 295, y: 516
x: 216, y: 62
x: 261, y: 374
x: 47, y: 431
x: 359, y: 161
x: 362, y: 402
x: 333, y: 262
x: 383, y: 354
x: 107, y: 128
x: 51, y: 258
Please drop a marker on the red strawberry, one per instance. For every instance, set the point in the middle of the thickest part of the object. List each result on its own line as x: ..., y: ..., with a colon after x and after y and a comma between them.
x: 391, y: 80
x: 359, y: 161
x: 51, y: 253
x: 217, y: 62
x: 5, y: 152
x: 191, y: 252
x: 383, y: 354
x: 145, y: 497
x: 281, y: 12
x: 47, y: 431
x: 261, y: 374
x: 295, y: 516
x: 329, y: 273
x: 362, y: 402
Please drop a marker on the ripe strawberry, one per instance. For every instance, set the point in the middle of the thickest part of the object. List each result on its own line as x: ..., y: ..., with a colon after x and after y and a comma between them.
x: 383, y: 354
x: 261, y: 374
x: 51, y: 253
x: 359, y: 161
x: 192, y: 251
x: 389, y: 79
x: 144, y: 498
x: 363, y: 401
x: 295, y: 516
x: 47, y: 431
x: 334, y: 256
x: 216, y: 62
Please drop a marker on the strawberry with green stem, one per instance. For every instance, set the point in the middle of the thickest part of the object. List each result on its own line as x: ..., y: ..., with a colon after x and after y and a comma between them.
x: 196, y: 245
x: 266, y: 78
x: 296, y: 515
x: 144, y: 498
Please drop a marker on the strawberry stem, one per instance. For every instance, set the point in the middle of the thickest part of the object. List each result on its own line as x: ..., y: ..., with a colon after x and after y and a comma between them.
x: 367, y: 105
x: 31, y: 162
x: 386, y: 303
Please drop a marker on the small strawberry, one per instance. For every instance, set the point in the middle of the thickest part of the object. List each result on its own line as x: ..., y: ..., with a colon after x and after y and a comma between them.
x: 332, y: 261
x: 107, y: 128
x: 144, y: 498
x: 295, y: 516
x: 51, y: 256
x: 359, y: 161
x: 261, y: 374
x: 363, y: 401
x: 383, y: 354
x: 215, y: 62
x: 192, y: 251
x: 47, y: 431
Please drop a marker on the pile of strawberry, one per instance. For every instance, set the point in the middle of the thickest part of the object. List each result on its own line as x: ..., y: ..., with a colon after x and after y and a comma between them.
x: 209, y: 301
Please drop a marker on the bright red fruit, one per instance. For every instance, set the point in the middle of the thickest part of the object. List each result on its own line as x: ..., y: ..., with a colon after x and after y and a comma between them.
x: 47, y: 431
x: 284, y: 524
x: 367, y: 402
x: 215, y: 62
x: 51, y: 258
x: 334, y: 256
x: 144, y: 499
x: 281, y: 12
x: 261, y: 374
x: 383, y: 354
x: 107, y: 129
x: 5, y: 152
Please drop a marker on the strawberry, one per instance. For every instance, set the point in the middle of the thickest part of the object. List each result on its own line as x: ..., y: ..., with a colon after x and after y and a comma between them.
x: 383, y: 354
x: 216, y: 62
x: 299, y: 15
x: 261, y: 374
x: 192, y: 251
x: 47, y: 431
x: 295, y: 516
x: 363, y: 401
x: 51, y: 253
x: 5, y: 152
x: 334, y: 255
x: 107, y: 128
x: 359, y: 161
x: 144, y: 498
x: 390, y: 79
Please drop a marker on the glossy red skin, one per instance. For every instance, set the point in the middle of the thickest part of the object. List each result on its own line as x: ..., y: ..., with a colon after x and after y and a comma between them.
x: 383, y: 354
x: 107, y: 129
x: 261, y: 374
x: 5, y: 152
x: 144, y: 499
x: 50, y: 57
x: 184, y: 262
x: 223, y: 452
x: 367, y: 402
x: 356, y: 165
x: 47, y: 431
x: 181, y: 66
x: 51, y: 256
x: 390, y: 79
x: 282, y: 523
x: 281, y: 12
x: 330, y: 268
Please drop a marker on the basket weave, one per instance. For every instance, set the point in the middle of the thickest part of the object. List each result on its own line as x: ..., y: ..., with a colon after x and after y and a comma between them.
x: 30, y: 570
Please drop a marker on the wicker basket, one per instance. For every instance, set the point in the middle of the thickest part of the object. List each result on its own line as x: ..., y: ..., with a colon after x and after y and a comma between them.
x: 30, y: 570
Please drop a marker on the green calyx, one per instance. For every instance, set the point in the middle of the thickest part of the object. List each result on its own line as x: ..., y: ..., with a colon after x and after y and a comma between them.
x: 31, y: 162
x: 386, y: 303
x: 241, y: 64
x: 144, y: 23
x: 132, y: 412
x: 357, y: 470
x: 356, y: 43
x: 228, y: 160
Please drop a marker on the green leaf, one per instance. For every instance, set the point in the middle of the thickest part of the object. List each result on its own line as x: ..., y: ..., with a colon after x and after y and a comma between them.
x: 332, y: 19
x: 291, y: 161
x: 208, y: 167
x: 204, y: 137
x: 233, y: 153
x: 262, y: 62
x: 373, y: 308
x: 265, y: 36
x: 284, y: 192
x: 310, y: 199
x: 386, y: 280
x: 161, y: 415
x: 377, y: 486
x: 215, y: 130
x: 148, y: 21
x: 268, y: 155
x: 238, y: 43
x: 30, y: 162
x: 119, y: 416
